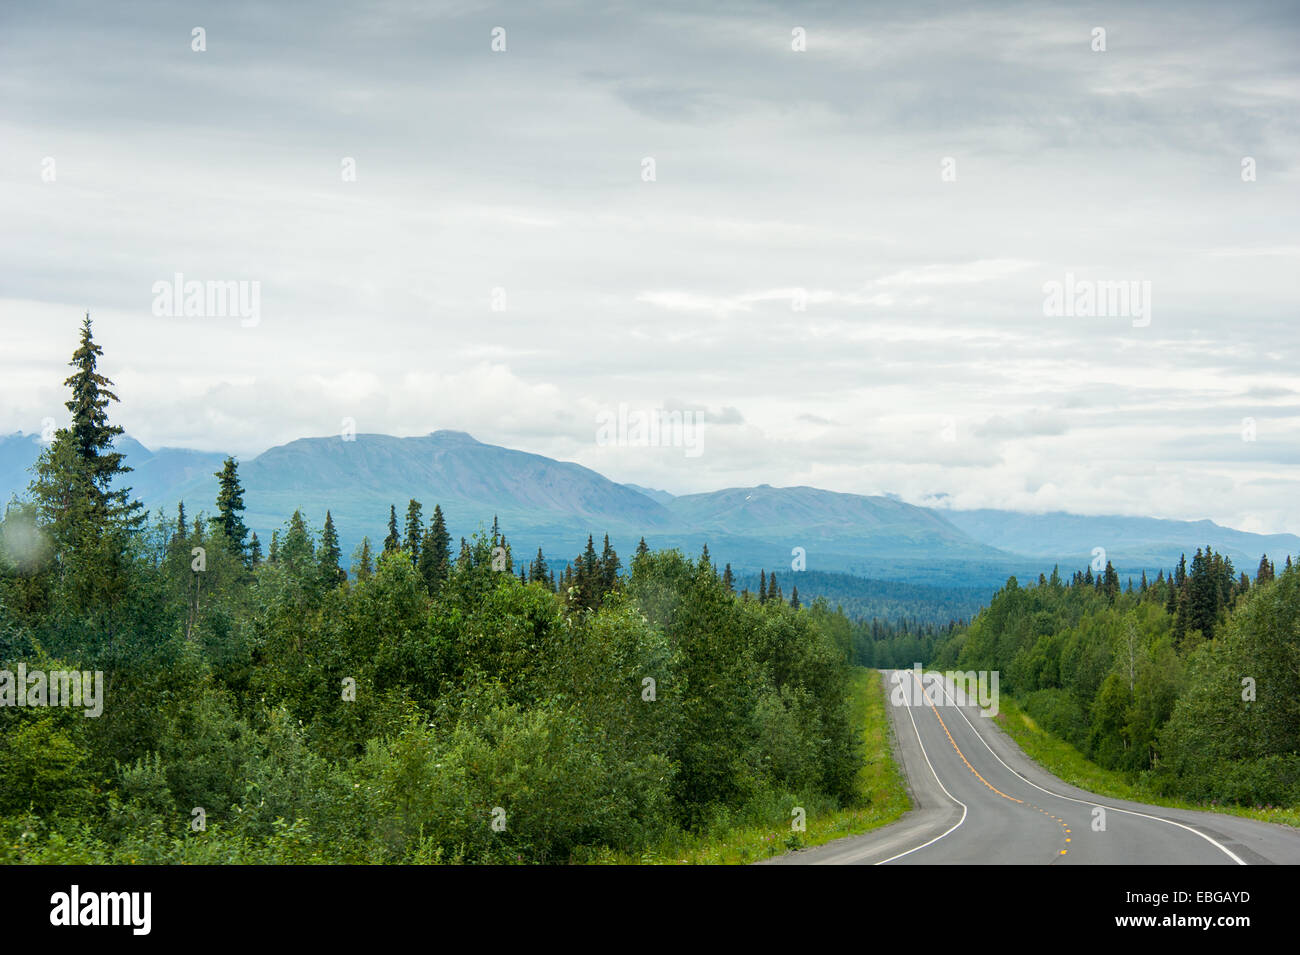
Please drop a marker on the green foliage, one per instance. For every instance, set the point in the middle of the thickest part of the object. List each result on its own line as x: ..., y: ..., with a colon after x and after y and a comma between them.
x: 1156, y: 682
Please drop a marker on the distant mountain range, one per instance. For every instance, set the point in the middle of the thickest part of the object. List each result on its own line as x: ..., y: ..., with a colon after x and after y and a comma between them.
x: 555, y: 505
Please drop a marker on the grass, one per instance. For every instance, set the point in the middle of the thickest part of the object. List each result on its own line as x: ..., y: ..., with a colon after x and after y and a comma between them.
x: 1065, y: 762
x: 881, y: 799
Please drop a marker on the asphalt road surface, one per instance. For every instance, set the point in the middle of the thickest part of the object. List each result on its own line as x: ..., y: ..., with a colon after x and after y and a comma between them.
x: 978, y: 799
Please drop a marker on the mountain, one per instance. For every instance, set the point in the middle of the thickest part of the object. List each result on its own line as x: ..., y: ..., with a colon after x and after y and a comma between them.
x: 155, y: 475
x: 555, y: 505
x: 18, y: 452
x: 663, y: 497
x: 539, y: 501
x: 1141, y: 542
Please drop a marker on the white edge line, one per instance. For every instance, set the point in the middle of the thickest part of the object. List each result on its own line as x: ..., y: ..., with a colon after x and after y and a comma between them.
x: 936, y: 779
x: 1218, y: 845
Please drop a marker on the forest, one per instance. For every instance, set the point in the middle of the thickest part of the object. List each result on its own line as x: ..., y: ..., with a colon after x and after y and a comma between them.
x: 432, y: 706
x: 1189, y: 683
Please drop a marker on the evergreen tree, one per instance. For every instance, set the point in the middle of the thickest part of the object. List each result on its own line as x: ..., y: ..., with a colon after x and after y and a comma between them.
x: 329, y: 553
x: 1265, y: 572
x: 181, y: 529
x: 587, y: 576
x: 435, y: 553
x: 274, y: 555
x: 297, y: 551
x: 538, y: 569
x: 762, y: 586
x: 363, y: 566
x: 642, y: 549
x: 794, y: 596
x: 609, y: 568
x: 254, y: 552
x: 728, y: 580
x: 393, y: 541
x: 230, y: 506
x: 87, y: 519
x: 81, y: 461
x: 414, y: 530
x: 1110, y: 584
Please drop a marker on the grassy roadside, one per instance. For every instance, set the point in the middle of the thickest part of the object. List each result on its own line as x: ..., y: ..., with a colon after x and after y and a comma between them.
x: 1064, y: 761
x: 882, y: 798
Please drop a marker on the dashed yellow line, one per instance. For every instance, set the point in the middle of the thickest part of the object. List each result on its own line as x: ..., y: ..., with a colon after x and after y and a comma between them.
x: 927, y: 699
x: 935, y: 710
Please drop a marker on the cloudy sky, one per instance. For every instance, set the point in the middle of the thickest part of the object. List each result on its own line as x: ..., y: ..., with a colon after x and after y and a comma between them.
x: 840, y: 261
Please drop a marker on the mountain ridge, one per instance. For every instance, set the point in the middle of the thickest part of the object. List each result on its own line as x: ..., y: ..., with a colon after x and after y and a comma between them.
x: 554, y: 504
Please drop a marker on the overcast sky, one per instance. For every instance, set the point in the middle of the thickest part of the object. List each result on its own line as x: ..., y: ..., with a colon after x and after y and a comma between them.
x: 922, y: 363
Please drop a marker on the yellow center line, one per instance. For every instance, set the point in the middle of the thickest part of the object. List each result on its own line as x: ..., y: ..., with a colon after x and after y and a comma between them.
x: 926, y: 696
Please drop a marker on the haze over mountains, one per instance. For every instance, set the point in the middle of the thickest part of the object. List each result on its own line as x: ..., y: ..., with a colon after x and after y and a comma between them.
x: 555, y: 505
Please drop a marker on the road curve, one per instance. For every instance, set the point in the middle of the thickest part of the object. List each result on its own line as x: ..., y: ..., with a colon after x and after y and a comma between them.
x: 979, y: 800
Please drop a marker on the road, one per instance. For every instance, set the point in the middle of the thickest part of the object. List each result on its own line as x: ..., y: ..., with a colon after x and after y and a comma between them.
x: 978, y: 799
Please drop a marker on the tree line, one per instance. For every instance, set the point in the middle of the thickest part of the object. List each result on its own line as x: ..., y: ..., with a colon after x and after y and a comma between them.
x: 427, y: 707
x: 1189, y: 682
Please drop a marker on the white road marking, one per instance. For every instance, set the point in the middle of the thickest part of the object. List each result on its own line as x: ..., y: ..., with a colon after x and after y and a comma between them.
x: 936, y: 779
x: 1084, y: 802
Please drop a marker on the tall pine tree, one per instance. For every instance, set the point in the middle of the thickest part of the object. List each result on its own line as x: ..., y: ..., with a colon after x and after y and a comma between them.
x: 329, y: 553
x: 393, y: 541
x: 230, y: 507
x: 414, y: 530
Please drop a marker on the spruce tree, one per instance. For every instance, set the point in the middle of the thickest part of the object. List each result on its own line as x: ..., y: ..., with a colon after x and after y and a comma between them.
x: 90, y: 437
x: 794, y: 596
x: 609, y: 568
x: 254, y: 552
x: 393, y: 541
x: 84, y: 516
x: 273, y: 556
x: 587, y: 576
x: 297, y: 551
x: 230, y: 506
x: 1110, y: 585
x: 329, y: 553
x: 435, y: 553
x: 728, y: 580
x: 538, y: 569
x: 762, y: 586
x: 363, y: 567
x: 414, y: 530
x: 1265, y: 572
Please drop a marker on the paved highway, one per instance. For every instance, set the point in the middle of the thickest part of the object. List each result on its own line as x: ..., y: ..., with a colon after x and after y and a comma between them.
x: 979, y: 799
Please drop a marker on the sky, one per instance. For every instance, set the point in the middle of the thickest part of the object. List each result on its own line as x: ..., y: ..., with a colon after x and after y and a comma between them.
x: 828, y: 232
